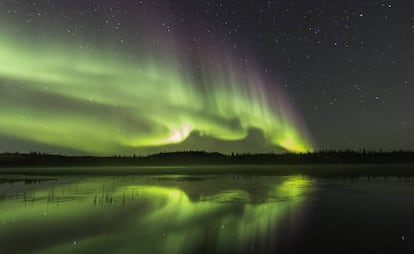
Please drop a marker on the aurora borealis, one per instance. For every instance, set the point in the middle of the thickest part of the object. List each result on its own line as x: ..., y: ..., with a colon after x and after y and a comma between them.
x: 102, y: 103
x: 146, y: 76
x: 209, y: 126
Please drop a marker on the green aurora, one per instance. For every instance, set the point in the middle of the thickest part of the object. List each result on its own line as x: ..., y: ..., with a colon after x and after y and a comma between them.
x: 103, y: 102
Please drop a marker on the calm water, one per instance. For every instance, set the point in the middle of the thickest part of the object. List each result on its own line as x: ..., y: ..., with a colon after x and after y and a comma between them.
x: 206, y: 214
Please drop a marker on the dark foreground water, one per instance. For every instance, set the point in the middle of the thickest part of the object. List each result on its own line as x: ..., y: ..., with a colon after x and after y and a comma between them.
x: 206, y: 214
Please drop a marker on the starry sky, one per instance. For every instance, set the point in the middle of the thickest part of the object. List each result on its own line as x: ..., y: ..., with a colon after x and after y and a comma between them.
x: 105, y: 77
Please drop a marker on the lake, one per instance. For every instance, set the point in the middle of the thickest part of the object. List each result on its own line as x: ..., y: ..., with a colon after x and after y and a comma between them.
x: 205, y: 214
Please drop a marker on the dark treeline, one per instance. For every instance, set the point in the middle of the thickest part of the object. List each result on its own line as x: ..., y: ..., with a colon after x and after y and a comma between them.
x: 34, y: 159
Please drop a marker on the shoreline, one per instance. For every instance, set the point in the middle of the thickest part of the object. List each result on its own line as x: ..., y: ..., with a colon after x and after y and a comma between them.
x: 313, y: 170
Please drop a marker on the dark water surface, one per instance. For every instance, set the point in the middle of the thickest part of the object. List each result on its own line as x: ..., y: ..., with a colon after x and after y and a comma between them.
x: 206, y: 214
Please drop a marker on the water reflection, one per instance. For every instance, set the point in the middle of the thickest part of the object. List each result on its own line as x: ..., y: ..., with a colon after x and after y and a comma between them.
x: 148, y: 214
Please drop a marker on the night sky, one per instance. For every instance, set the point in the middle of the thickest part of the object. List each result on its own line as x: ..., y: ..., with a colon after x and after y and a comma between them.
x: 123, y: 77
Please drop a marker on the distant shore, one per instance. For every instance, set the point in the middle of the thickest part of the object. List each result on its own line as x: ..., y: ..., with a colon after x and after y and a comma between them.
x: 324, y: 164
x: 354, y: 170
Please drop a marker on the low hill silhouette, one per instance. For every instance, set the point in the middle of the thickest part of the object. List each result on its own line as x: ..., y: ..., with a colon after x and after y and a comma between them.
x: 191, y: 158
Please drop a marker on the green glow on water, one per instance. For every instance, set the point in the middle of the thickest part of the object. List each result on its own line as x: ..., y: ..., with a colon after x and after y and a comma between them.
x: 113, y: 216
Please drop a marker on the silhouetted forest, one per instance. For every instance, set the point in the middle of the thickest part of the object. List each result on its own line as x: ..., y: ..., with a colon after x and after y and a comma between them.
x: 191, y: 158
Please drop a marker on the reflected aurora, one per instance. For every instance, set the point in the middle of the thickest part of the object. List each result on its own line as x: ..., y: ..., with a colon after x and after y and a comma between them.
x: 103, y: 102
x: 125, y: 217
